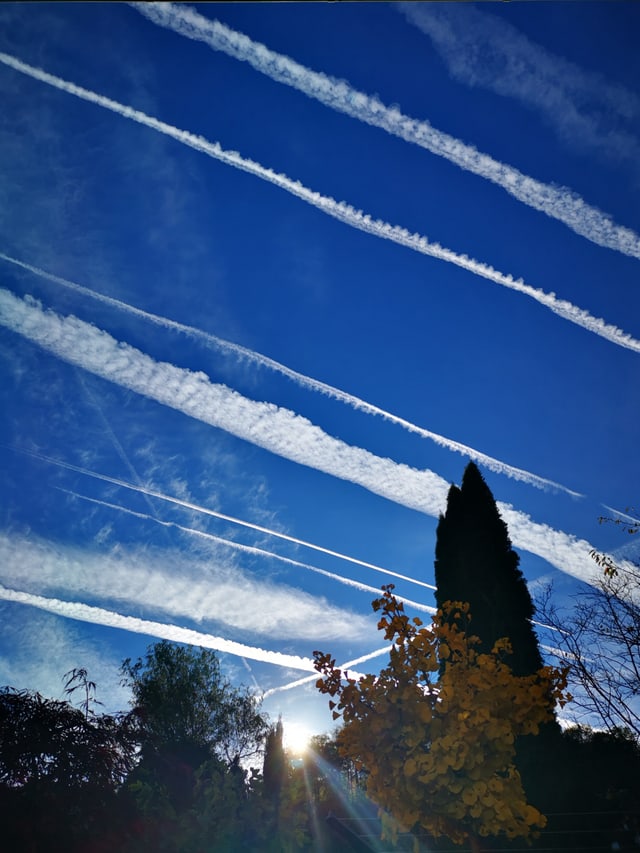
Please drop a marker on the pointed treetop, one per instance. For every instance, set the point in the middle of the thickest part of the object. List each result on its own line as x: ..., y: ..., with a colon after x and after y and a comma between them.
x: 476, y: 563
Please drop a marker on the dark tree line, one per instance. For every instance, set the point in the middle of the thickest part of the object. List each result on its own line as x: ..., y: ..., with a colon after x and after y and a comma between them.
x: 173, y: 774
x: 193, y: 767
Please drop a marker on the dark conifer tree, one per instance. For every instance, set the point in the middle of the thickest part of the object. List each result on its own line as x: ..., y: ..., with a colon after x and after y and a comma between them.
x: 476, y: 563
x: 273, y: 774
x: 274, y: 762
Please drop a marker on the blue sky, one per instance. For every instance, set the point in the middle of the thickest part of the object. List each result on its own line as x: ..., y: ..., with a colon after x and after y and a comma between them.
x: 427, y: 255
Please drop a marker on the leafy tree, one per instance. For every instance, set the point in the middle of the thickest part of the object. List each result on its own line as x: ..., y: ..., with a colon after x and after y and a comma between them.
x: 347, y: 818
x: 274, y: 773
x: 78, y: 679
x: 185, y: 703
x: 60, y: 769
x: 50, y: 740
x: 190, y: 790
x: 220, y: 811
x: 294, y: 831
x: 440, y: 752
x: 475, y: 563
x: 325, y: 756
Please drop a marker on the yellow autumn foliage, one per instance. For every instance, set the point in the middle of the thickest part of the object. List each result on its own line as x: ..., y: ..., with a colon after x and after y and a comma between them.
x: 439, y: 750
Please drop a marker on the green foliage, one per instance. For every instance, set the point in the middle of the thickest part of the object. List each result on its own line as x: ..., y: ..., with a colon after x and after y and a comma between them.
x: 184, y: 701
x: 285, y: 798
x: 165, y: 778
x: 326, y: 746
x: 475, y: 563
x: 294, y: 832
x: 221, y: 812
x: 189, y: 788
x: 78, y: 679
x: 595, y: 790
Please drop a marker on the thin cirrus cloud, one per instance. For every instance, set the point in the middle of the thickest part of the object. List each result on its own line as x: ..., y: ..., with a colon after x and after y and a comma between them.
x: 144, y: 490
x: 275, y: 429
x: 339, y: 210
x: 300, y: 379
x: 486, y: 51
x: 41, y: 648
x: 254, y: 551
x: 174, y: 633
x: 557, y: 202
x: 205, y: 591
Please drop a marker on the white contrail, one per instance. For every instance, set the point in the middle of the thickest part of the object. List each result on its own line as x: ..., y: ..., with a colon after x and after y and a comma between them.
x: 214, y: 514
x: 174, y: 633
x: 245, y: 663
x: 277, y: 430
x: 340, y: 210
x: 114, y: 439
x: 485, y: 50
x: 559, y: 203
x: 258, y: 552
x: 299, y: 682
x: 304, y: 381
x: 631, y: 519
x: 344, y: 667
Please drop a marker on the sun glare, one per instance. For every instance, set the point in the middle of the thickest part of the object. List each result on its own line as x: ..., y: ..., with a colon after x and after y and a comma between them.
x: 295, y: 738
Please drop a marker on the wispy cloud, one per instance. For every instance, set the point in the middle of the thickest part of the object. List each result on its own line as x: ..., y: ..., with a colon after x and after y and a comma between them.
x: 302, y: 380
x: 340, y: 210
x: 174, y: 633
x: 484, y: 50
x: 260, y: 552
x: 277, y: 430
x: 211, y: 590
x: 42, y: 647
x: 557, y: 202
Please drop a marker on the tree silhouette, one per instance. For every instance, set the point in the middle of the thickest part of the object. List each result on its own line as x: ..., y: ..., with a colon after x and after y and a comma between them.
x: 185, y: 703
x: 60, y: 770
x: 475, y: 563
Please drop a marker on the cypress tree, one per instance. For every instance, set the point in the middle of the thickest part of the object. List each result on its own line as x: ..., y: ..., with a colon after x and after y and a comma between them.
x: 273, y: 770
x: 273, y: 774
x: 476, y: 563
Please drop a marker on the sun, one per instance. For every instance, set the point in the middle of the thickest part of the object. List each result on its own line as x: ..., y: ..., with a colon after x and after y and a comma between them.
x: 295, y: 738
